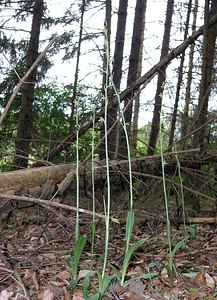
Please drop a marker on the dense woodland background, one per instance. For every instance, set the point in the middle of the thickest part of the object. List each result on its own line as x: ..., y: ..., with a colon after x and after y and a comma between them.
x: 108, y: 130
x: 146, y: 66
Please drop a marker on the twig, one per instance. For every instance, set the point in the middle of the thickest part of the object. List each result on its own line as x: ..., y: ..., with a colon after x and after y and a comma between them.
x: 22, y: 80
x: 46, y: 203
x: 16, y: 276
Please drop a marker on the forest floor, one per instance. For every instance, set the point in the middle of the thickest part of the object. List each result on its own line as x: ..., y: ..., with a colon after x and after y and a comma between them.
x: 36, y: 248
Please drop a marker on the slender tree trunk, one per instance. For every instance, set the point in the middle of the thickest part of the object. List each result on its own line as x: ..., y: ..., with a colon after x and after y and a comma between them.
x: 161, y: 80
x: 132, y: 71
x: 75, y: 85
x: 25, y: 126
x: 107, y: 44
x: 106, y: 68
x: 134, y: 131
x: 180, y: 78
x: 209, y: 43
x: 117, y: 75
x: 185, y: 117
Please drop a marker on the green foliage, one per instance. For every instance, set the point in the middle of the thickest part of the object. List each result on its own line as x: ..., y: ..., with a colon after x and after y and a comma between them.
x: 128, y: 256
x: 74, y: 261
x: 144, y: 134
x: 178, y: 245
x: 51, y: 106
x: 103, y: 284
x: 50, y: 111
x: 105, y: 281
x: 51, y: 115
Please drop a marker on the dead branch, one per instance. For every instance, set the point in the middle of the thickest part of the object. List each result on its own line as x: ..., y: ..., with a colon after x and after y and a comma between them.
x: 202, y: 220
x: 46, y: 203
x: 23, y: 79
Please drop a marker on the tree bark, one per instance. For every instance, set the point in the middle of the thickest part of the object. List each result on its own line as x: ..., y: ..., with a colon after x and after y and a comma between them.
x: 75, y: 85
x: 25, y: 126
x: 185, y: 117
x: 161, y: 80
x: 106, y: 72
x: 133, y: 72
x: 180, y: 78
x: 209, y: 44
x: 117, y: 75
x: 134, y: 129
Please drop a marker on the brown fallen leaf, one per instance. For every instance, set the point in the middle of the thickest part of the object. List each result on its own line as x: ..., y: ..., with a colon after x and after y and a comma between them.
x: 66, y: 294
x: 77, y: 298
x: 164, y: 273
x: 48, y: 295
x: 64, y: 275
x: 130, y: 296
x: 46, y: 256
x: 210, y: 282
x: 136, y: 287
x: 200, y: 278
x: 83, y: 273
x: 29, y: 279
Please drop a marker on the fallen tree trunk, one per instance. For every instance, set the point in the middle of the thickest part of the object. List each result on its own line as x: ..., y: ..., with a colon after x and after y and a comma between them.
x: 23, y: 180
x: 47, y: 182
x: 63, y: 175
x: 138, y: 84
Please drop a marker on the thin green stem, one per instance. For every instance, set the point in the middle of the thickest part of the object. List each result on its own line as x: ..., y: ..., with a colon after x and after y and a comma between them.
x: 107, y: 214
x: 182, y: 192
x: 93, y: 187
x: 93, y: 166
x: 128, y: 147
x: 130, y: 217
x: 165, y: 191
x: 77, y: 173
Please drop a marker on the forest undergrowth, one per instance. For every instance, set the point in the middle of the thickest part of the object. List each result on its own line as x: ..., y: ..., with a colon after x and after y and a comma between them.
x: 37, y: 249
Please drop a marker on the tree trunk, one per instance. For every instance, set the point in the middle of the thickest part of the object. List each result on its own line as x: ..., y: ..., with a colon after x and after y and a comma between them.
x: 209, y: 43
x: 180, y: 78
x: 106, y: 70
x: 161, y: 80
x: 133, y: 72
x: 135, y: 122
x: 117, y: 75
x: 75, y: 85
x: 185, y: 117
x: 25, y: 126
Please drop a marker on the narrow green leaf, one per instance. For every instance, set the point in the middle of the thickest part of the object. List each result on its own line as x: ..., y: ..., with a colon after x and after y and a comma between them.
x: 78, y: 249
x: 94, y: 297
x: 116, y: 272
x: 189, y: 274
x: 128, y: 256
x: 104, y: 282
x: 72, y: 284
x: 172, y: 255
x: 86, y: 283
x: 144, y: 276
x: 129, y: 227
